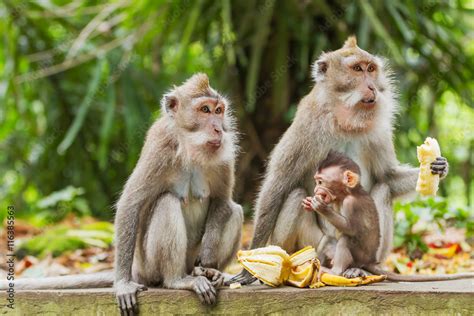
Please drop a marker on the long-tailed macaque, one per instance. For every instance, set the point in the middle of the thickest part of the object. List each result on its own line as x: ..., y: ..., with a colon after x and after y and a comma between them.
x: 176, y: 223
x: 351, y: 109
x: 340, y: 199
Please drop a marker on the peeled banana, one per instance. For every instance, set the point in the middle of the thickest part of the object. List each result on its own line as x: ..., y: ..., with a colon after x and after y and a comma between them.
x: 427, y: 183
x: 303, y: 265
x: 269, y: 264
x: 273, y: 266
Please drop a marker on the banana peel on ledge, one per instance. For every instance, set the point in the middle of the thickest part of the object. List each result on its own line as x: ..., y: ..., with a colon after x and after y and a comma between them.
x: 273, y: 266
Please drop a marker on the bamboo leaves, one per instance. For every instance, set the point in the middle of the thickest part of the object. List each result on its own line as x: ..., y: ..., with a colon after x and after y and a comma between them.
x: 84, y: 107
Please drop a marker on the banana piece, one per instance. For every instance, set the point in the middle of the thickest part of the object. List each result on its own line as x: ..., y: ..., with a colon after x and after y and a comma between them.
x: 369, y: 279
x: 273, y: 266
x: 427, y: 183
x: 335, y: 280
x: 304, y: 265
x: 268, y: 264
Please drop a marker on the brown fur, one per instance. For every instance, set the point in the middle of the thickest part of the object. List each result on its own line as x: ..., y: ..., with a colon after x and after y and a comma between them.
x: 334, y: 116
x: 176, y: 223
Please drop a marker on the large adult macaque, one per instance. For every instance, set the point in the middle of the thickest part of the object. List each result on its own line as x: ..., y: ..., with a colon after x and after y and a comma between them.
x: 350, y: 109
x: 176, y: 223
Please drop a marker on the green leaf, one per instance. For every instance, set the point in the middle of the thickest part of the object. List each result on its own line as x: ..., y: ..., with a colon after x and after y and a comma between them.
x: 106, y: 130
x: 83, y: 107
x: 259, y: 41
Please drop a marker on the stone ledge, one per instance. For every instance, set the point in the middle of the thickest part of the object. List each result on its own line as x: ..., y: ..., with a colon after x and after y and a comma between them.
x: 437, y: 298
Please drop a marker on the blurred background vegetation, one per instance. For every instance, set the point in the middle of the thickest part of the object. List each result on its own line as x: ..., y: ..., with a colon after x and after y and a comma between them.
x: 81, y: 81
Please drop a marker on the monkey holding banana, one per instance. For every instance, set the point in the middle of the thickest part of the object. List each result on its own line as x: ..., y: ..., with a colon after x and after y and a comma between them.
x: 176, y: 224
x: 350, y: 109
x: 340, y: 199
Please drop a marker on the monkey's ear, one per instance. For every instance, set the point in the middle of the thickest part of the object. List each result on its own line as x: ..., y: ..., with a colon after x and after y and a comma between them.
x: 169, y: 103
x: 320, y: 67
x: 350, y: 179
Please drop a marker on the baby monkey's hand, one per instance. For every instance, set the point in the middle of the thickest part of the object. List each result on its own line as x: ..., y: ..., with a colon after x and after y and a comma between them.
x: 314, y: 203
x: 308, y: 204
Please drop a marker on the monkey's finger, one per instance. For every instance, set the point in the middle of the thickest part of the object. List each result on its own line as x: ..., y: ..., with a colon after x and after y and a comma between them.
x: 128, y: 301
x: 134, y: 300
x: 205, y: 294
x: 213, y: 298
x: 122, y: 305
x: 200, y: 294
x: 441, y: 159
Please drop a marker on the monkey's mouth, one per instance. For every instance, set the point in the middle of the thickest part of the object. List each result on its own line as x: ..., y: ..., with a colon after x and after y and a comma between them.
x: 368, y: 101
x: 325, y: 194
x: 214, y: 144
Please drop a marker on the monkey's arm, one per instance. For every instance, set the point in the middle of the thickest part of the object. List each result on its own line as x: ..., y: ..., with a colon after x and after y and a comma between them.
x: 340, y: 221
x: 220, y: 210
x: 288, y: 166
x: 142, y: 186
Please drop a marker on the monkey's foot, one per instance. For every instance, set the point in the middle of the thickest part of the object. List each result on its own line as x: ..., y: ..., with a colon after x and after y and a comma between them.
x: 126, y: 294
x: 243, y: 278
x: 355, y: 273
x: 215, y: 276
x: 206, y: 292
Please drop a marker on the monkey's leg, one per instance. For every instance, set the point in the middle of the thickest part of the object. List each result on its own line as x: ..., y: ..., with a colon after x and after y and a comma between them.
x: 295, y: 227
x: 383, y: 201
x: 219, y: 246
x: 165, y: 251
x: 230, y: 240
x: 342, y: 258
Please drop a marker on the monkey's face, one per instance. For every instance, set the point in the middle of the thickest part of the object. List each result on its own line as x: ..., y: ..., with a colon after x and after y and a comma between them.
x: 352, y: 83
x: 333, y: 183
x: 208, y: 127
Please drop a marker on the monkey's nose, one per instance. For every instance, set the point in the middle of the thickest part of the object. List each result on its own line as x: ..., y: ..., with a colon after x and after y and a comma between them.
x: 370, y: 97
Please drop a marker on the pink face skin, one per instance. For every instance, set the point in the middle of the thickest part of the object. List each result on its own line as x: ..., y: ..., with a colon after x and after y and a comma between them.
x: 324, y: 179
x: 210, y: 112
x: 367, y: 73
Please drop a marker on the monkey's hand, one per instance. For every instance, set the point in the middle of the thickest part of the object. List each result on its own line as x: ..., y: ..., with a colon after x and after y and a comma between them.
x: 319, y: 205
x: 440, y: 166
x: 308, y: 204
x: 215, y: 276
x: 243, y: 278
x: 126, y: 294
x: 206, y: 292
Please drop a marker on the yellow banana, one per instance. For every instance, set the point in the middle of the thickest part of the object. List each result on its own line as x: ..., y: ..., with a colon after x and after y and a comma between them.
x: 427, y: 183
x: 268, y: 264
x: 273, y: 266
x: 335, y: 280
x: 373, y: 279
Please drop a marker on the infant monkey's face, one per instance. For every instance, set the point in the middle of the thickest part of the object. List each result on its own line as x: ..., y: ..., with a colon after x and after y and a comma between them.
x: 334, y: 182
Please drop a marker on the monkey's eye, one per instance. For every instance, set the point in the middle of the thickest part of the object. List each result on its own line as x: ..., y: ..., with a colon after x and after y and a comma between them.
x: 371, y: 68
x: 357, y: 68
x: 319, y: 182
x: 205, y: 109
x: 218, y: 110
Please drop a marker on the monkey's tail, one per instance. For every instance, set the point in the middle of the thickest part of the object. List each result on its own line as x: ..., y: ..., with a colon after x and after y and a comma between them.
x: 83, y: 281
x: 418, y: 278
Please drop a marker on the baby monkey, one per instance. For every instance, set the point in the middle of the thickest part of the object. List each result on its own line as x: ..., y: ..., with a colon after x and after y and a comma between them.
x: 341, y: 200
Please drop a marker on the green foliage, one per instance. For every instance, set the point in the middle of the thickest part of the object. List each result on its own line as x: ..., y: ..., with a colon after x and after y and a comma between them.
x: 60, y: 239
x: 81, y: 82
x: 413, y: 219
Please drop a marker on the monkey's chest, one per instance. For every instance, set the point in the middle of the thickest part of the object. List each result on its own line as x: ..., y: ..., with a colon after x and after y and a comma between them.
x: 192, y: 188
x: 353, y: 151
